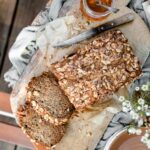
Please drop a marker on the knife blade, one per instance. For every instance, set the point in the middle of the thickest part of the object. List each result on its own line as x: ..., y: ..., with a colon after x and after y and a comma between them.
x: 92, y: 32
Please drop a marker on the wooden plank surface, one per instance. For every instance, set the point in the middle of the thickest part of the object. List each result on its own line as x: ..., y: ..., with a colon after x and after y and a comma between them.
x: 26, y: 11
x: 7, y: 8
x: 7, y: 12
x: 14, y: 135
x: 5, y: 110
x: 6, y: 146
x: 4, y: 102
x: 22, y: 148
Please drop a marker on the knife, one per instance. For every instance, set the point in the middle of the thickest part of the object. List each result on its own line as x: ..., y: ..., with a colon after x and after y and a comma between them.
x: 92, y: 32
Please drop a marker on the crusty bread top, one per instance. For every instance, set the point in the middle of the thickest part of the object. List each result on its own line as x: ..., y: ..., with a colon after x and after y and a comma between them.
x: 98, y: 68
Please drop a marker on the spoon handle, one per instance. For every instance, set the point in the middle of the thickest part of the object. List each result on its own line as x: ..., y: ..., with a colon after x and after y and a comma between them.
x: 111, y: 9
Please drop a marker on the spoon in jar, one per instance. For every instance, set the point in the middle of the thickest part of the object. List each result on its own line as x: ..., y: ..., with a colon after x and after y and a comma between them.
x: 111, y: 9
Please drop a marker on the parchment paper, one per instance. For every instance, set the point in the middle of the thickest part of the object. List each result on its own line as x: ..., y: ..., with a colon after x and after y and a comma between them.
x: 91, y: 124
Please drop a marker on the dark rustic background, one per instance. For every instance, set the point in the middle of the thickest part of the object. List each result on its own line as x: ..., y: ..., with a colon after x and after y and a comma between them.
x: 14, y: 15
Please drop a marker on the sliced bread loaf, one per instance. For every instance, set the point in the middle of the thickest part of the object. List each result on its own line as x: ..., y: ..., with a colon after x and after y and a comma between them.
x: 38, y: 130
x: 48, y: 100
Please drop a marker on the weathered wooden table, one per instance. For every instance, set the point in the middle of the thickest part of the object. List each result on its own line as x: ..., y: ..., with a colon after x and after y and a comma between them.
x: 14, y: 15
x: 22, y: 13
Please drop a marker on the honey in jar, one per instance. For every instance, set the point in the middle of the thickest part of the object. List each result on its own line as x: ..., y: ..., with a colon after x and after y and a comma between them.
x: 92, y: 11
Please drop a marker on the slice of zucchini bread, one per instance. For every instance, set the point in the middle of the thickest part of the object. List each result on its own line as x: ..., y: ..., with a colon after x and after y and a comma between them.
x: 38, y: 130
x: 48, y: 100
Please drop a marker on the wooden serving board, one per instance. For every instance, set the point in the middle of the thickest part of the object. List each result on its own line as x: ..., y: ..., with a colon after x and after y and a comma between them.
x: 78, y: 135
x: 84, y: 131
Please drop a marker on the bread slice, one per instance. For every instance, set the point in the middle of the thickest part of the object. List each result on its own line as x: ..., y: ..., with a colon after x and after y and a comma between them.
x: 38, y: 130
x: 48, y: 100
x: 98, y: 69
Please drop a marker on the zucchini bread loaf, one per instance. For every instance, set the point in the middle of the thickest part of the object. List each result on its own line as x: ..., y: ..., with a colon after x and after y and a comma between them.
x: 98, y: 69
x: 37, y: 129
x: 48, y: 100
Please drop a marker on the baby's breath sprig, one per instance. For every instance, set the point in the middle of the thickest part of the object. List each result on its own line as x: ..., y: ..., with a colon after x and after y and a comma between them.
x: 146, y: 138
x: 138, y: 106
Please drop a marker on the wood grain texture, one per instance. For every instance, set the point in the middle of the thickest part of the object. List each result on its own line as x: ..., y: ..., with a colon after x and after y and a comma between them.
x: 4, y: 102
x: 22, y: 148
x: 26, y: 11
x: 6, y: 14
x: 5, y: 110
x: 14, y: 135
x: 6, y: 146
x: 4, y: 118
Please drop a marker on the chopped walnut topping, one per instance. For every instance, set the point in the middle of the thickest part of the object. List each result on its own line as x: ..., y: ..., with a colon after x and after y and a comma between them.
x: 36, y: 93
x: 41, y: 110
x: 46, y: 117
x: 33, y: 103
x: 97, y: 69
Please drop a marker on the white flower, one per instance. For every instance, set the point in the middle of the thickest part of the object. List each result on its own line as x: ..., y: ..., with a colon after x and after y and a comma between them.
x: 148, y: 113
x: 121, y: 98
x: 148, y: 144
x: 132, y: 130
x: 129, y: 107
x: 146, y: 135
x: 144, y: 139
x: 144, y: 87
x: 126, y: 103
x: 141, y: 101
x: 139, y: 108
x: 135, y: 116
x: 146, y: 107
x: 125, y: 109
x: 137, y: 88
x: 138, y: 131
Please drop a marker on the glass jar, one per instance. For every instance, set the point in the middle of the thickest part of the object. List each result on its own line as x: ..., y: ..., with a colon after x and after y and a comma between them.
x: 94, y: 11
